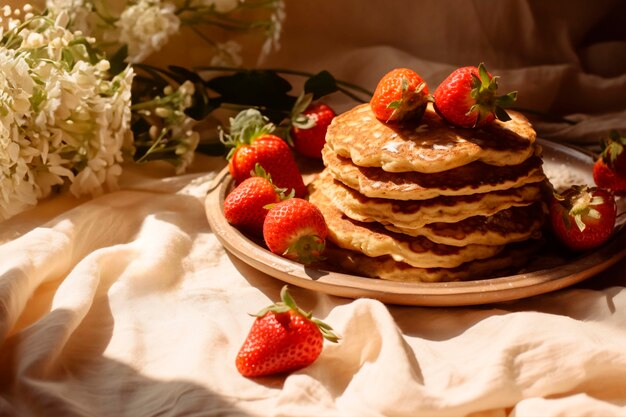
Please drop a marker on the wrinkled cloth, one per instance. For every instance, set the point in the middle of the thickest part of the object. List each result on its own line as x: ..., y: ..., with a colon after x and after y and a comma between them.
x: 128, y: 305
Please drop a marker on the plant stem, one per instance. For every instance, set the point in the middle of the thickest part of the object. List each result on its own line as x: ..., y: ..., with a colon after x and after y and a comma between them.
x: 546, y: 116
x: 308, y: 74
x: 154, y: 145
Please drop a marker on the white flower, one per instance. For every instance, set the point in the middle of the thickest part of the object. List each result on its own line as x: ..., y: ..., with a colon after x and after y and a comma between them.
x: 273, y: 33
x: 62, y: 120
x: 146, y: 26
x: 106, y: 123
x: 186, y: 148
x: 18, y: 190
x: 77, y: 13
x: 220, y: 6
x: 228, y: 54
x: 171, y: 132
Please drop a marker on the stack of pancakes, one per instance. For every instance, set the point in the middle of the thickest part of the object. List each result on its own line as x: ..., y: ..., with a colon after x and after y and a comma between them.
x: 424, y: 201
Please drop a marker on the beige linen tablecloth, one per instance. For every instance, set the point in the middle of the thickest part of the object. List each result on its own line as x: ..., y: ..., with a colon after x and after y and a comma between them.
x: 127, y: 304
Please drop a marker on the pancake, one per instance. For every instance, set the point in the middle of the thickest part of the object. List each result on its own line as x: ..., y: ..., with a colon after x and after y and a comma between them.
x: 507, y: 226
x: 476, y: 177
x: 415, y: 214
x: 429, y: 146
x: 372, y: 239
x: 384, y: 267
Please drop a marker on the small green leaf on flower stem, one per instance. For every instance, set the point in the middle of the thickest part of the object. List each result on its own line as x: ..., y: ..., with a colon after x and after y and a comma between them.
x: 321, y: 84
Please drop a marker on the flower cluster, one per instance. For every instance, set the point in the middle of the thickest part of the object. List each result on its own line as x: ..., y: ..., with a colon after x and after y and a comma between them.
x: 75, y: 100
x: 63, y: 119
x: 143, y: 27
x: 71, y: 108
x: 170, y: 135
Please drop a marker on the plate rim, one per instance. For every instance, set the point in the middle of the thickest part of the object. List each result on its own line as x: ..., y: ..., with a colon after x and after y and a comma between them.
x: 456, y: 293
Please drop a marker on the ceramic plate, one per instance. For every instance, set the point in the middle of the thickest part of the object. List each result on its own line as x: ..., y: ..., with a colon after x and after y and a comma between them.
x: 563, y: 165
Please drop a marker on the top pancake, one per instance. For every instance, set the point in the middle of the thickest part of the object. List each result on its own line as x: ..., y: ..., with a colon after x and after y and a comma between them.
x: 430, y: 145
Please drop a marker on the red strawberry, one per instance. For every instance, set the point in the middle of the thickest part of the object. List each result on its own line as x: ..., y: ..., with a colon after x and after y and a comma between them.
x: 582, y: 217
x: 309, y: 139
x: 467, y: 98
x: 605, y: 177
x: 296, y: 229
x: 283, y: 338
x: 245, y: 206
x: 252, y: 142
x: 400, y: 95
x: 614, y: 153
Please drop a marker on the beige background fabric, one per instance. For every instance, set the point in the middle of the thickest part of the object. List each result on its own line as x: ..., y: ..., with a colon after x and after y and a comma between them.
x: 127, y: 304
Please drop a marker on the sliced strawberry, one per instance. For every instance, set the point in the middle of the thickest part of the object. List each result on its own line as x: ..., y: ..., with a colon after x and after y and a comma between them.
x: 296, y: 229
x: 583, y: 218
x: 283, y: 338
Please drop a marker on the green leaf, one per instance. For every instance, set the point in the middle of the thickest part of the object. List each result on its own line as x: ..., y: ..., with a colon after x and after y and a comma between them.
x: 288, y: 299
x: 256, y: 88
x: 155, y: 74
x: 501, y: 114
x: 303, y: 101
x: 321, y: 84
x: 483, y: 74
x: 118, y: 59
x: 211, y: 149
x: 202, y: 103
x: 507, y: 100
x: 186, y: 73
x: 396, y: 104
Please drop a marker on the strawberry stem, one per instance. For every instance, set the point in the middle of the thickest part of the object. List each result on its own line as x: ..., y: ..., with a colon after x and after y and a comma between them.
x: 245, y: 127
x: 582, y: 204
x: 483, y: 92
x: 287, y: 303
x: 307, y: 249
x: 259, y: 171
